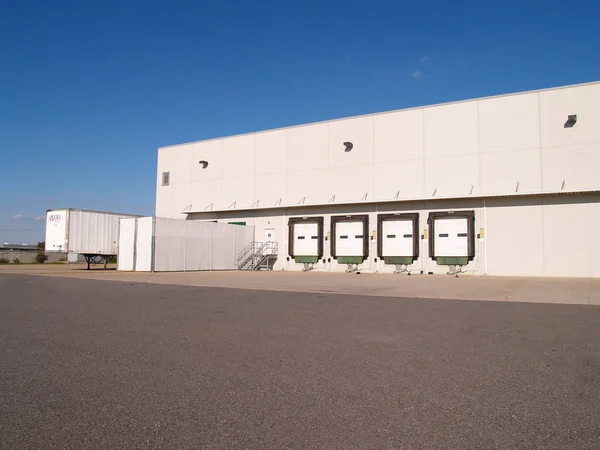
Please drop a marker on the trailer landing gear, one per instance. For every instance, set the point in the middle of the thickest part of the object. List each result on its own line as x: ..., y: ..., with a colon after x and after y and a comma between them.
x: 96, y: 259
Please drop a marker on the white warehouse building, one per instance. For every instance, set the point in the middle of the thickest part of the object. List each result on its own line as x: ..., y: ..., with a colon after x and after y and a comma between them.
x: 506, y: 185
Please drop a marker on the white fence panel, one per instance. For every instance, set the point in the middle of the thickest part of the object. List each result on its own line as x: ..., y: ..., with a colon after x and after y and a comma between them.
x: 187, y: 245
x: 169, y: 245
x: 198, y: 245
x: 223, y: 246
x: 125, y: 257
x: 243, y: 236
x: 143, y: 244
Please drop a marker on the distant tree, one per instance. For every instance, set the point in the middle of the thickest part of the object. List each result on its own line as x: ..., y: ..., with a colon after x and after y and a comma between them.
x: 42, y: 245
x: 41, y: 258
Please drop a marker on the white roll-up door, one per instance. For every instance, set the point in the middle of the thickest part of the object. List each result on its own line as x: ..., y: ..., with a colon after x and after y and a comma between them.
x: 397, y: 239
x: 451, y: 237
x: 306, y: 239
x: 349, y: 238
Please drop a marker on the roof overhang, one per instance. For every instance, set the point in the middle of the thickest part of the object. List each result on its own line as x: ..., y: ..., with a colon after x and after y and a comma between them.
x: 206, y: 210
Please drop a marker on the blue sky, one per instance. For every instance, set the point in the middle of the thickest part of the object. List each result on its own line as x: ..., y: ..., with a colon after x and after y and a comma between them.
x: 90, y: 90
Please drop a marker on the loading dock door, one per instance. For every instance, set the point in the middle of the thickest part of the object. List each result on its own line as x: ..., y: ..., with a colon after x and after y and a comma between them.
x: 349, y: 239
x: 451, y: 237
x: 306, y: 239
x: 397, y: 239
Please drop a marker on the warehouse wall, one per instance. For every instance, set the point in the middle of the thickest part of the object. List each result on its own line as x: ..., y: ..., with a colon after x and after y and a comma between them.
x: 510, y: 145
x: 522, y: 236
x: 515, y: 236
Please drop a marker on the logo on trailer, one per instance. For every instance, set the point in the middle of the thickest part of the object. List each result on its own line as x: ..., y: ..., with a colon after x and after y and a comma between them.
x: 54, y: 217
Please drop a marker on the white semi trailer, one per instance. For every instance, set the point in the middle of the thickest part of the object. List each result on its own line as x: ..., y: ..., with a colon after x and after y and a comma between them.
x: 93, y: 234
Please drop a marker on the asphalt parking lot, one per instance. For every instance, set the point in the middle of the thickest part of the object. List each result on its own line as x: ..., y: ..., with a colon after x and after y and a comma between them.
x: 103, y: 364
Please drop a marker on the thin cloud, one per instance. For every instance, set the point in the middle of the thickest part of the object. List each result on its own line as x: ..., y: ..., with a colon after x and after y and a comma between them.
x: 47, y: 200
x: 424, y: 58
x: 416, y: 74
x: 19, y: 217
x: 40, y: 218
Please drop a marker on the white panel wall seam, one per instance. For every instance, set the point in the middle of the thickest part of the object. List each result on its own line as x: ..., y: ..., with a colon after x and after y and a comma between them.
x: 254, y: 199
x: 511, y: 150
x: 480, y: 187
x: 578, y: 144
x: 423, y: 151
x: 285, y: 193
x: 461, y: 155
x: 485, y: 254
x: 356, y: 165
x: 543, y: 204
x: 329, y: 194
x: 191, y: 171
x: 248, y: 176
x: 373, y: 159
x: 306, y: 170
x: 222, y: 150
x: 402, y: 159
x: 540, y: 142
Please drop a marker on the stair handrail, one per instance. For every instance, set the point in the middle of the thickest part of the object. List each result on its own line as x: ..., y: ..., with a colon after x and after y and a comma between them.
x: 256, y: 252
x: 264, y: 253
x: 242, y: 254
x: 271, y: 247
x: 247, y: 249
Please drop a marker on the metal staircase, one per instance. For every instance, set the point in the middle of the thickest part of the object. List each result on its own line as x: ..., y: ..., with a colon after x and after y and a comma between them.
x: 257, y: 255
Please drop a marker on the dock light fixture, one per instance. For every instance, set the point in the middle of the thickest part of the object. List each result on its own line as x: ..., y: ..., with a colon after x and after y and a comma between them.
x: 203, y: 163
x: 348, y: 146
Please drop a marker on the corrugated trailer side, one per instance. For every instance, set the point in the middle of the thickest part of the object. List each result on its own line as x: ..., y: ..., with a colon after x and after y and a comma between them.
x: 93, y: 234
